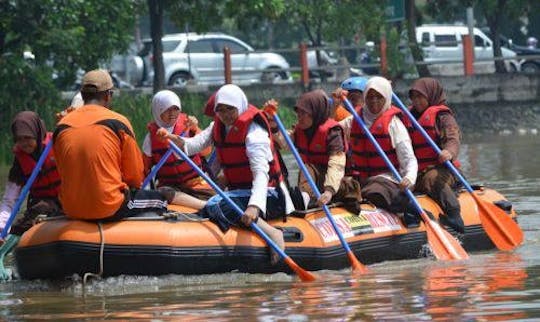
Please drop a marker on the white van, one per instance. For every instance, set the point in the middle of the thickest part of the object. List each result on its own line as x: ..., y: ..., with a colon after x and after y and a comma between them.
x: 443, y: 43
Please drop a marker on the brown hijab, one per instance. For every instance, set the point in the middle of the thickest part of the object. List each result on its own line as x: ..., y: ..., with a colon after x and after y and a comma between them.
x: 316, y: 104
x: 28, y: 123
x: 431, y: 89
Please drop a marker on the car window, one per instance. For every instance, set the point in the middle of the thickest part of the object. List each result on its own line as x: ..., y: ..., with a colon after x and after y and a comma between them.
x: 200, y: 46
x: 479, y: 41
x: 425, y: 39
x: 170, y: 45
x: 445, y: 41
x: 235, y: 47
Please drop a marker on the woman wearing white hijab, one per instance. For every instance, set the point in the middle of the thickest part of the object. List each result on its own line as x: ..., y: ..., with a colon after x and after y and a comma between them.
x: 176, y: 179
x: 378, y: 184
x: 246, y: 155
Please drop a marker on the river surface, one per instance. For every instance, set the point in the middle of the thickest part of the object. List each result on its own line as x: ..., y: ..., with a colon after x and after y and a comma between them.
x: 489, y: 286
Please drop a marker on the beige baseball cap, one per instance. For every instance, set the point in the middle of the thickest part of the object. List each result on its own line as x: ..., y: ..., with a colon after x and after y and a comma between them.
x: 97, y: 80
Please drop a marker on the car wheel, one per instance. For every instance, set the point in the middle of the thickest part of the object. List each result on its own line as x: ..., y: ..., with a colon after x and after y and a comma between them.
x: 273, y: 75
x: 179, y: 79
x: 530, y: 68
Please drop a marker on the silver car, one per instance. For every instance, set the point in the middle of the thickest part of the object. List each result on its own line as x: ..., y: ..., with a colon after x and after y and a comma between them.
x: 189, y: 57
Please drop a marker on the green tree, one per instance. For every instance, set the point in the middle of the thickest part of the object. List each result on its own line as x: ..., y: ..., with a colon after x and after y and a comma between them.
x: 62, y: 36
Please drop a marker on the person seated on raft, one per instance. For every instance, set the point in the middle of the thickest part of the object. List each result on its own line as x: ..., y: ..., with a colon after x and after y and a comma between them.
x: 321, y: 144
x: 30, y: 137
x: 434, y: 178
x: 353, y: 88
x: 246, y: 154
x: 175, y: 178
x: 366, y: 165
x: 98, y: 159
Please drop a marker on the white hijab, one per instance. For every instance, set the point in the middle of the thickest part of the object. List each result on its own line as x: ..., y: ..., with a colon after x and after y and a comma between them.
x: 161, y: 102
x: 232, y: 95
x: 382, y: 86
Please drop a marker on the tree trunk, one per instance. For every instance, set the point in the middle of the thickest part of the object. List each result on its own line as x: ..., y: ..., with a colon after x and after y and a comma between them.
x: 416, y: 52
x: 493, y: 21
x: 155, y: 9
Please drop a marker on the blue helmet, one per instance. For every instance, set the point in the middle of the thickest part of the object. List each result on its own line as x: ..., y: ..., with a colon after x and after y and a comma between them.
x: 355, y: 83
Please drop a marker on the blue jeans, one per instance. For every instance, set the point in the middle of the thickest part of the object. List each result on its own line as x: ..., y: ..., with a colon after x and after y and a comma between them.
x: 222, y: 214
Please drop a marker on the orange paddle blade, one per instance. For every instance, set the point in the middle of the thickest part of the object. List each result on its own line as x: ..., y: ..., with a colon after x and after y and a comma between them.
x: 357, y: 267
x: 443, y: 245
x: 503, y: 231
x: 304, y: 275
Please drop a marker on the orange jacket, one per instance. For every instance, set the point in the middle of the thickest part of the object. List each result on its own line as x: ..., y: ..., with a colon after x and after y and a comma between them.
x: 174, y: 171
x: 98, y: 159
x: 47, y: 183
x: 231, y: 150
x: 316, y: 150
x: 365, y: 160
x: 423, y: 151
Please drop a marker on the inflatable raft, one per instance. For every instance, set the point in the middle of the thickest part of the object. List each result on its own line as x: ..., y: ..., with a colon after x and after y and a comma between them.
x: 183, y: 243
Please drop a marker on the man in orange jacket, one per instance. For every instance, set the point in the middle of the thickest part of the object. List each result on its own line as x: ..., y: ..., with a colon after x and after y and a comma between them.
x: 99, y: 161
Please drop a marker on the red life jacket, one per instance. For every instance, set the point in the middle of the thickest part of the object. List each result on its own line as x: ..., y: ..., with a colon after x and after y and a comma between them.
x: 231, y: 150
x: 365, y: 161
x: 316, y: 150
x: 425, y: 154
x: 47, y: 182
x: 175, y: 170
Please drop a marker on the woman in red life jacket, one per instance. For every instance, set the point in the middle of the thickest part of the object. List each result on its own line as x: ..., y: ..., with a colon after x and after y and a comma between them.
x: 246, y: 154
x: 367, y: 166
x: 320, y: 141
x: 176, y: 179
x: 30, y: 138
x: 434, y: 178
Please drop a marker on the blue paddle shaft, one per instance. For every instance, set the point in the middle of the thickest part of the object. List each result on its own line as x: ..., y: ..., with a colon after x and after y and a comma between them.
x: 158, y: 166
x: 26, y: 188
x: 239, y: 211
x: 309, y: 179
x: 419, y: 127
x: 389, y: 164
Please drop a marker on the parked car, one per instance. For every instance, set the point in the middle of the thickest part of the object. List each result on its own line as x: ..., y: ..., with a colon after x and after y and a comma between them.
x: 443, y: 43
x: 190, y: 57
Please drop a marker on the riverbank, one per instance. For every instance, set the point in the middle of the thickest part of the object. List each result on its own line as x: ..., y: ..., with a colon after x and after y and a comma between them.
x: 492, y: 103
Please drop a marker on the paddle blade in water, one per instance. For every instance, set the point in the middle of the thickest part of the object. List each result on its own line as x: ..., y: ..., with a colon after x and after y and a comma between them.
x: 443, y: 245
x: 503, y: 231
x: 357, y: 267
x: 304, y: 275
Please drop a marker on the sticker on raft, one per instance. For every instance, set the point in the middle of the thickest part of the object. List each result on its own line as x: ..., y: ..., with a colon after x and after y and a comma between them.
x: 372, y: 221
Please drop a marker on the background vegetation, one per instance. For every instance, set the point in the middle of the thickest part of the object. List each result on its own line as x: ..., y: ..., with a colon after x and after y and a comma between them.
x: 66, y: 36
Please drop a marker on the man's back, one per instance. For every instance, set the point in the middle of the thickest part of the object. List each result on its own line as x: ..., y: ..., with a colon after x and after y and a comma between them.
x: 98, y: 158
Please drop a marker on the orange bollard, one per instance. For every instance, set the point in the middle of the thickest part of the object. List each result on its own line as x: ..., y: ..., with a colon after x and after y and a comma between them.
x: 384, y: 60
x: 227, y: 64
x: 468, y: 55
x: 304, y: 78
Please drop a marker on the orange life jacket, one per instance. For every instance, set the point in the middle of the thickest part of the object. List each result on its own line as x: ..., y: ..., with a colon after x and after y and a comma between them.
x: 365, y: 161
x: 316, y: 150
x: 47, y: 182
x: 425, y: 154
x: 231, y: 150
x: 175, y: 170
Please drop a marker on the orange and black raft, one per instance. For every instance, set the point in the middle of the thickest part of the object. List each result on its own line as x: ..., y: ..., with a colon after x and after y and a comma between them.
x: 183, y: 243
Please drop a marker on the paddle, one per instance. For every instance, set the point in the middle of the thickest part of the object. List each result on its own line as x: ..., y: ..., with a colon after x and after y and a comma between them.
x: 26, y: 188
x: 158, y: 166
x: 443, y: 245
x: 503, y: 231
x: 355, y: 263
x: 303, y: 274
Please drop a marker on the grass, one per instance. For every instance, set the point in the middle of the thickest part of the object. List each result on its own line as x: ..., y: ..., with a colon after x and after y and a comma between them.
x: 136, y: 108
